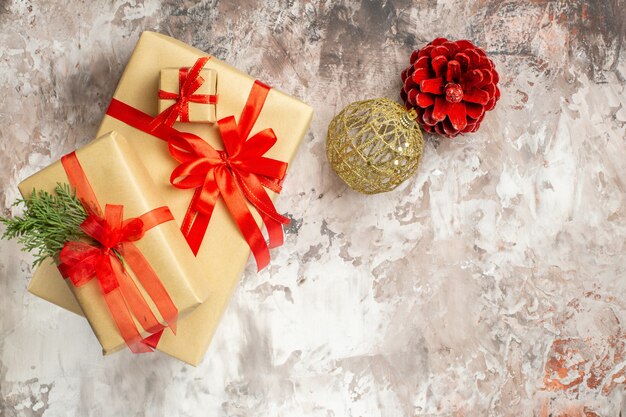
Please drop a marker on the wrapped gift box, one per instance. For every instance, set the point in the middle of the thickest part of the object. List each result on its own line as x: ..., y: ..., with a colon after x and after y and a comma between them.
x: 201, y: 107
x: 224, y: 252
x: 118, y: 176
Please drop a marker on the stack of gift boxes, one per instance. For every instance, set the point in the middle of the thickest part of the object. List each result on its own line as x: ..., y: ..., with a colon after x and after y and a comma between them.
x: 179, y: 187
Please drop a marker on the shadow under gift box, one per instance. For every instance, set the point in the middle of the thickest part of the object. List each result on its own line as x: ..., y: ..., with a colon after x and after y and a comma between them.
x: 117, y: 176
x: 224, y: 252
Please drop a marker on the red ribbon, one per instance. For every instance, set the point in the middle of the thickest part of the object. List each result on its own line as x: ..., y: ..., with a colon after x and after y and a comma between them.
x: 189, y: 80
x: 113, y: 236
x: 239, y: 173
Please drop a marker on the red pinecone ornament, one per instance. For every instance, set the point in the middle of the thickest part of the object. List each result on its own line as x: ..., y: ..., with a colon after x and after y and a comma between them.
x: 450, y: 85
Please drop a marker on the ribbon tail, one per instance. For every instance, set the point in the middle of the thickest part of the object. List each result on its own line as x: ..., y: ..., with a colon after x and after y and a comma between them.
x: 166, y: 118
x: 119, y: 309
x: 274, y: 231
x: 124, y: 322
x: 194, y: 224
x: 252, y: 187
x: 238, y: 208
x: 196, y: 231
x: 137, y: 303
x: 196, y: 220
x: 151, y: 283
x: 153, y: 340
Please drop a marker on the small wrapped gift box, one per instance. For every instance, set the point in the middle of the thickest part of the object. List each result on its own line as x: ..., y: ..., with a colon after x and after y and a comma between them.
x: 253, y: 120
x: 199, y: 107
x: 148, y: 267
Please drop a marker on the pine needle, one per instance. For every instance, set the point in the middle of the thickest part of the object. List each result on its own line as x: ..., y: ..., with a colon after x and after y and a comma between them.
x: 48, y: 222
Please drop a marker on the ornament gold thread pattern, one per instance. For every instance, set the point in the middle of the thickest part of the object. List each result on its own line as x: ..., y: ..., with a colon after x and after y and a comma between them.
x: 374, y: 145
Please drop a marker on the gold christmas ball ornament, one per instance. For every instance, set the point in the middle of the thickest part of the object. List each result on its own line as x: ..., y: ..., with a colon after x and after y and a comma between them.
x: 374, y: 145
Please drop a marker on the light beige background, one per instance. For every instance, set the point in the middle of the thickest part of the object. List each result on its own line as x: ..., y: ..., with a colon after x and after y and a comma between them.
x: 490, y: 284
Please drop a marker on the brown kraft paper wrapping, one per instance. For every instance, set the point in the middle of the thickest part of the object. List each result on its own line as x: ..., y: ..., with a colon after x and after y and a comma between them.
x: 117, y: 176
x: 224, y: 252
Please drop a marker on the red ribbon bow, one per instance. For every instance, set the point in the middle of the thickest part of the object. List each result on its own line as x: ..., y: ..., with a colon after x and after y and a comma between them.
x: 239, y: 174
x: 189, y: 80
x: 113, y: 236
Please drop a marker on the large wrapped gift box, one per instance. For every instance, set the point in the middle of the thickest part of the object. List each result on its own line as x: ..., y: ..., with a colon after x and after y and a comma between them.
x: 117, y: 176
x: 224, y: 252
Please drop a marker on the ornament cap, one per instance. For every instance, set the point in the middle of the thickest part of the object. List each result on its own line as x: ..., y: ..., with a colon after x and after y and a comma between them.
x: 408, y: 119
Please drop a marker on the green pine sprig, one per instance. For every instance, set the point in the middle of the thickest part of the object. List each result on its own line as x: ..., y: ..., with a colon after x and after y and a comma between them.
x: 48, y: 222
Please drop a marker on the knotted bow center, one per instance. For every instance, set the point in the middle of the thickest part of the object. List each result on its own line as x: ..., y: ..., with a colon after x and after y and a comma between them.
x: 226, y: 159
x: 111, y: 231
x: 182, y: 100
